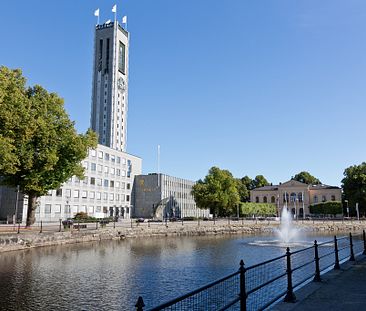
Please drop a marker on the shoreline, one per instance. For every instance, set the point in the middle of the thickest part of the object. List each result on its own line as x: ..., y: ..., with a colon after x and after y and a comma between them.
x: 12, y: 241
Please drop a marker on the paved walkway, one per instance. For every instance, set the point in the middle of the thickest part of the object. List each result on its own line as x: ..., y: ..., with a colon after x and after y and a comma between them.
x: 339, y: 290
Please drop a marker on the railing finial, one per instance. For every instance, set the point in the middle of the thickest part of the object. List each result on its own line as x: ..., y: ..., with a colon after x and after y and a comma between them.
x: 140, y: 304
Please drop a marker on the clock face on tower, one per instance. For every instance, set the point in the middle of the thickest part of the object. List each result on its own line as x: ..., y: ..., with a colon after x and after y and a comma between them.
x: 121, y: 84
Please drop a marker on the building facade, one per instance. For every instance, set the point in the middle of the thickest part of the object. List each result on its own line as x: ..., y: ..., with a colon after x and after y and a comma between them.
x: 295, y: 195
x: 106, y: 189
x: 161, y: 196
x: 110, y: 85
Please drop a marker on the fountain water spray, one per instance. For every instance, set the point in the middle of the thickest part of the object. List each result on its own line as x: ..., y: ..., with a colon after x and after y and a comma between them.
x: 287, y: 232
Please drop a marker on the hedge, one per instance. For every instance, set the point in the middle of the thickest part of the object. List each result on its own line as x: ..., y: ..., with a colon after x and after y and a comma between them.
x: 258, y: 209
x: 326, y: 208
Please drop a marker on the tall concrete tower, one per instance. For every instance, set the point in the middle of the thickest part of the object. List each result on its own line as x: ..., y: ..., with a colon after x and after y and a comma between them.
x: 110, y: 85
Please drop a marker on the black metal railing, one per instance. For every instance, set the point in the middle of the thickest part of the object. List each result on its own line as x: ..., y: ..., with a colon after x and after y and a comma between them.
x: 261, y: 285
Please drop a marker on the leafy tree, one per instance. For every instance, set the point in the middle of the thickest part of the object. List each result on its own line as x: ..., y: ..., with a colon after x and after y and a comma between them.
x: 218, y: 192
x: 248, y: 182
x: 326, y: 208
x: 40, y: 148
x: 307, y: 178
x: 354, y: 186
x: 259, y: 181
x: 243, y: 191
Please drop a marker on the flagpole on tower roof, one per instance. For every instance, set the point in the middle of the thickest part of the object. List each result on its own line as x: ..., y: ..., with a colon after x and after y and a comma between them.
x: 114, y: 10
x: 124, y: 21
x: 96, y: 13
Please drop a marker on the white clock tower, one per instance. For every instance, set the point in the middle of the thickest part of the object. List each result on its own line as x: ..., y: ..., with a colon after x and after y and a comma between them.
x: 110, y: 85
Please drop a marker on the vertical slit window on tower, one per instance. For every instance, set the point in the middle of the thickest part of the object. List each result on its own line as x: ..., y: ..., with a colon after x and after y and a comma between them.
x: 121, y: 57
x: 100, y: 55
x: 107, y: 56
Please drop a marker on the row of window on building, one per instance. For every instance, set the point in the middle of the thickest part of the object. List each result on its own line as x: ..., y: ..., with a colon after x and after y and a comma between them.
x: 93, y: 181
x: 84, y: 194
x: 109, y: 157
x: 177, y: 195
x: 177, y: 184
x: 73, y: 209
x: 294, y: 198
x: 107, y: 170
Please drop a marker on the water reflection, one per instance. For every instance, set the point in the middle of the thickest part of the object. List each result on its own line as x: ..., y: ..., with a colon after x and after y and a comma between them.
x: 110, y: 275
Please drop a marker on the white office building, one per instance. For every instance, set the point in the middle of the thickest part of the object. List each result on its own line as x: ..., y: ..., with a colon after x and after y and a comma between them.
x: 106, y: 189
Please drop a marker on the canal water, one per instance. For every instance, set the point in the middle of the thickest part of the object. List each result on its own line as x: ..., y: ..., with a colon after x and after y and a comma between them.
x: 110, y: 275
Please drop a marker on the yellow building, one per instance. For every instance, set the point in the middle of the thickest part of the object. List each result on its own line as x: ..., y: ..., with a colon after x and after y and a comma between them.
x: 297, y: 196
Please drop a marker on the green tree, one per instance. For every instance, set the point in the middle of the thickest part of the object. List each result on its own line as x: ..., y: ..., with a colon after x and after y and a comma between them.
x: 243, y: 191
x: 248, y: 182
x: 354, y: 186
x: 218, y: 192
x: 307, y: 178
x: 259, y: 181
x: 40, y: 148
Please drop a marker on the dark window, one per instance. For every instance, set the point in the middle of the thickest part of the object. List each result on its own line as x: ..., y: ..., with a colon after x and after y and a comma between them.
x: 107, y: 56
x: 264, y: 199
x: 121, y: 58
x: 100, y: 55
x: 59, y: 193
x: 256, y: 199
x: 333, y: 197
x: 100, y: 49
x: 273, y: 199
x: 299, y: 195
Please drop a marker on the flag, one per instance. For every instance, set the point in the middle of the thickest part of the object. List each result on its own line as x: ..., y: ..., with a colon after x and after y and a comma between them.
x: 124, y: 19
x: 114, y: 9
x: 96, y: 12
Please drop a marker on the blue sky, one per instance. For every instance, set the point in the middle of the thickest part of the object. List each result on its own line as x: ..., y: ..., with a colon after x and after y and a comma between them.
x: 268, y: 87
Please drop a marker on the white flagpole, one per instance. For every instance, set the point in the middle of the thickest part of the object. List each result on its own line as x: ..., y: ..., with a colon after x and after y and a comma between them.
x: 96, y: 13
x: 114, y: 10
x: 124, y: 21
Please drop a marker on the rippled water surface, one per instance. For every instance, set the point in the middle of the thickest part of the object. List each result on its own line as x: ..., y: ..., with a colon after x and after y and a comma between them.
x: 110, y: 275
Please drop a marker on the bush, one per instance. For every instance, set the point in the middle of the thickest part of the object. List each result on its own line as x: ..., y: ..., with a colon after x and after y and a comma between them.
x: 326, y: 208
x: 83, y: 217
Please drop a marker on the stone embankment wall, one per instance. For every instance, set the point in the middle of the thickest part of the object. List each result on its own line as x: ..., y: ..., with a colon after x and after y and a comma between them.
x: 14, y: 241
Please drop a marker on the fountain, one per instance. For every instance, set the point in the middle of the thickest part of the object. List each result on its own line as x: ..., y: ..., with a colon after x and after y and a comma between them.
x: 287, y: 232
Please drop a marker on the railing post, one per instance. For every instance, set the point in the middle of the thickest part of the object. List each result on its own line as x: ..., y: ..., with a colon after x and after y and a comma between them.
x: 140, y: 304
x: 78, y: 225
x: 18, y: 227
x: 290, y: 296
x: 243, y: 294
x: 41, y: 227
x: 131, y: 223
x: 352, y: 255
x: 316, y: 259
x: 96, y: 225
x: 59, y: 229
x: 364, y: 242
x: 114, y: 223
x: 336, y: 263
